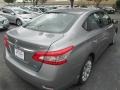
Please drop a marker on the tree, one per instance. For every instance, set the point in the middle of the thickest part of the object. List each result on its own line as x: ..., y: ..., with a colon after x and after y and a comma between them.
x: 118, y: 4
x: 9, y: 1
x: 24, y: 2
x: 97, y: 2
x: 72, y: 3
x: 35, y: 2
x: 43, y: 1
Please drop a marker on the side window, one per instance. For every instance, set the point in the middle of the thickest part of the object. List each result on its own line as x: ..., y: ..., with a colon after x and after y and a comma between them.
x: 35, y: 9
x: 42, y: 9
x: 105, y: 18
x: 90, y: 23
x: 99, y: 20
x: 5, y: 11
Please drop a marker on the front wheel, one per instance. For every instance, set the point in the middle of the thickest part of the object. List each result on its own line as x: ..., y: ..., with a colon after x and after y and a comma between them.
x: 18, y: 22
x: 86, y: 70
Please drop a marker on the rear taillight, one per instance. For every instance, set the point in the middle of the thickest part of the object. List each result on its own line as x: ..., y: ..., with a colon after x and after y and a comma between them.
x: 53, y: 57
x: 6, y: 41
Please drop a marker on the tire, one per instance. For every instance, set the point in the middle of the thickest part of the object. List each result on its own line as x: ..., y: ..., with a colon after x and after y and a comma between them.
x: 86, y: 70
x: 18, y: 22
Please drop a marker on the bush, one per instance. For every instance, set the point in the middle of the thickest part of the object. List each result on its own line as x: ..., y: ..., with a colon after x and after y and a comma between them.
x: 9, y: 1
x: 118, y: 4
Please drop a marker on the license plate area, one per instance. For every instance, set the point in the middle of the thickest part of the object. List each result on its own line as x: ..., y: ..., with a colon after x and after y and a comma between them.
x: 19, y: 53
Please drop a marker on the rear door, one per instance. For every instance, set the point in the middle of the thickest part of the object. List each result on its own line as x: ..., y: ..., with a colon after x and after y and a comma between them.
x: 96, y: 33
x: 5, y: 13
x: 107, y: 27
x: 12, y: 16
x: 9, y: 15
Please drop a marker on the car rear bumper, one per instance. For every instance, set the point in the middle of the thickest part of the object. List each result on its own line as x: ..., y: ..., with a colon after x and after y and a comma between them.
x: 4, y: 26
x: 53, y: 82
x: 27, y: 74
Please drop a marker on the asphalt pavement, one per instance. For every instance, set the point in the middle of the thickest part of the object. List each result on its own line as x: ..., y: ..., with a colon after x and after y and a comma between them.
x: 105, y: 75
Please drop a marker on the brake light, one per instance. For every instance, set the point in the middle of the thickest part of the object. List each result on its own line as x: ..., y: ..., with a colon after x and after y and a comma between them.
x: 53, y: 57
x: 6, y: 41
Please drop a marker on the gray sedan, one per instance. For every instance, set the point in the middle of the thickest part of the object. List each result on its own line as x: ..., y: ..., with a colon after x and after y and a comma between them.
x: 4, y: 23
x: 17, y: 15
x: 60, y: 47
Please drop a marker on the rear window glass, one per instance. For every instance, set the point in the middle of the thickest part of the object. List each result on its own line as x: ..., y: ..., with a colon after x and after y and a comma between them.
x: 52, y: 22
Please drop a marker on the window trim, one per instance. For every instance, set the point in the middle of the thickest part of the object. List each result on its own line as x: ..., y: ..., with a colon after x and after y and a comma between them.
x: 86, y: 20
x: 97, y: 23
x: 107, y: 15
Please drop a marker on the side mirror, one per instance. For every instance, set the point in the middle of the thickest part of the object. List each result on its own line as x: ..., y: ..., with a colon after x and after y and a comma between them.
x: 114, y: 21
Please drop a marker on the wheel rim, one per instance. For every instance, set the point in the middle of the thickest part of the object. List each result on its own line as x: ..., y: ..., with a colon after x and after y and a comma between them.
x: 86, y: 70
x: 19, y: 22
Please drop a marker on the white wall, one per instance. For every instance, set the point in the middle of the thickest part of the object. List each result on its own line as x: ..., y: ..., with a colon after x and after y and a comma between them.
x: 19, y: 0
x: 2, y: 3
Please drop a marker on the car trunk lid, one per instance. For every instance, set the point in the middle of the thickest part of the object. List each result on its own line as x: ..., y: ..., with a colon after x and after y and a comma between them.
x: 26, y: 42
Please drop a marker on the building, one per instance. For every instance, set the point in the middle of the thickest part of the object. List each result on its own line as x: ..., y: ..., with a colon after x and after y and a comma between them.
x: 104, y: 2
x: 86, y: 2
x: 2, y: 3
x: 23, y: 1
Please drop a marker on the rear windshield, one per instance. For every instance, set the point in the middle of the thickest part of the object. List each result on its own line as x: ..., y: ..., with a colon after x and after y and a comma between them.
x: 52, y: 22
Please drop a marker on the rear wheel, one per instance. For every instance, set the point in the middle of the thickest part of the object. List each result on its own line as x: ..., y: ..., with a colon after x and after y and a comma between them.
x: 18, y: 22
x: 86, y: 70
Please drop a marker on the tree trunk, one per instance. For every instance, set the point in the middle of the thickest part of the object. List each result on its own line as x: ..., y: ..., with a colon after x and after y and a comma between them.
x: 97, y: 2
x: 36, y: 3
x: 33, y: 2
x: 72, y: 3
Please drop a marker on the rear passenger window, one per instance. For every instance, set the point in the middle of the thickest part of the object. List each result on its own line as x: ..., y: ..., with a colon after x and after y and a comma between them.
x: 91, y: 23
x: 99, y: 20
x: 105, y: 19
x: 6, y: 11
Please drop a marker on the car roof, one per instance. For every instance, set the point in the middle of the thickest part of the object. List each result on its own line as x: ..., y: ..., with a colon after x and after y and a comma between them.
x: 74, y: 10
